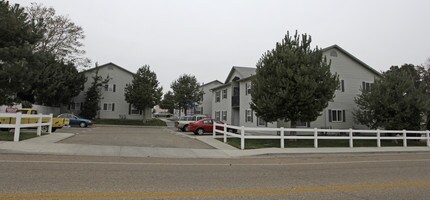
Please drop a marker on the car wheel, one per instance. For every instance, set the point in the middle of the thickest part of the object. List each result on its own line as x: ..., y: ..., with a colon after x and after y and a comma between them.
x: 200, y: 131
x: 45, y: 128
x: 83, y: 124
x: 185, y: 128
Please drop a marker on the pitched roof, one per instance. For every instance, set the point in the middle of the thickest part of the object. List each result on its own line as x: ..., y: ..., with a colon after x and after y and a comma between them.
x: 244, y: 72
x: 335, y: 46
x: 215, y: 81
x: 108, y: 64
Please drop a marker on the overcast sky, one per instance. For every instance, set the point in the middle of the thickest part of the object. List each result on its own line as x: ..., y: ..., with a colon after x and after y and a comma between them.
x: 206, y: 38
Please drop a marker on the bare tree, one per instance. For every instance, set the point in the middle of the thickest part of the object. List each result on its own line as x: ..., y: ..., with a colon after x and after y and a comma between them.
x: 62, y: 38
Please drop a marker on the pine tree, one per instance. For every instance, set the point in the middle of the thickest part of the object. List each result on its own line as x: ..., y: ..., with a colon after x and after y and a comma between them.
x: 186, y: 91
x: 394, y: 102
x: 144, y: 91
x: 93, y: 96
x: 292, y: 82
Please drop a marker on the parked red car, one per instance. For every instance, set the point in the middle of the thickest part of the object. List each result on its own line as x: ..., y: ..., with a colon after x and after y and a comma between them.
x: 204, y: 126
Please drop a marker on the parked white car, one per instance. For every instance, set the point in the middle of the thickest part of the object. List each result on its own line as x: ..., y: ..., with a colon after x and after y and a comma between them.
x: 184, y: 121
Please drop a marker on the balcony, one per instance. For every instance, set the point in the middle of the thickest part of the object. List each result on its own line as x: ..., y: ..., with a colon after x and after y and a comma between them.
x: 235, y: 101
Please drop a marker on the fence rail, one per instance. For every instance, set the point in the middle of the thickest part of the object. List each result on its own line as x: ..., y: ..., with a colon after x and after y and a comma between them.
x: 20, y: 122
x: 244, y: 133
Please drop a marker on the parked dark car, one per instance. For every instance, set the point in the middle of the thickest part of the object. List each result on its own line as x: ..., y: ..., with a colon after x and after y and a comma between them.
x: 76, y: 120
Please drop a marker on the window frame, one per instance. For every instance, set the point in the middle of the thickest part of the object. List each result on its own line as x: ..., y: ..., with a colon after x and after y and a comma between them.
x: 224, y: 94
x: 224, y: 115
x: 217, y: 96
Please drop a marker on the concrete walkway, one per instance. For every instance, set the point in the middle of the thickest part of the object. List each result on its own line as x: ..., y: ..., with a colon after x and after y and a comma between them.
x: 47, y: 145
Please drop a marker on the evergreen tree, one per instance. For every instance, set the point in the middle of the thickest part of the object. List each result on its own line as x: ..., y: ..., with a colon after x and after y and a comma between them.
x: 168, y: 102
x: 93, y: 96
x: 18, y: 36
x: 144, y: 91
x: 186, y: 91
x: 292, y: 82
x: 394, y: 102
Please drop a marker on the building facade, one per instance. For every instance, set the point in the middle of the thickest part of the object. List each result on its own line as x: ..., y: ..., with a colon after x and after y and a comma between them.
x: 112, y: 104
x: 205, y: 107
x: 231, y: 101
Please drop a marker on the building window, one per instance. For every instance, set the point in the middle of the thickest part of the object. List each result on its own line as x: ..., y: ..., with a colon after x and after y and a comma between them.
x: 217, y: 96
x: 366, y: 86
x: 217, y: 115
x: 341, y: 86
x: 134, y: 110
x: 261, y: 122
x: 224, y: 94
x: 224, y: 116
x: 333, y: 53
x: 198, y: 110
x: 77, y: 106
x: 248, y: 88
x: 336, y: 115
x: 249, y: 116
x: 109, y: 106
x: 110, y: 87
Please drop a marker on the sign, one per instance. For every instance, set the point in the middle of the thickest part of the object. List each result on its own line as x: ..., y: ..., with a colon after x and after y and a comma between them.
x: 11, y: 110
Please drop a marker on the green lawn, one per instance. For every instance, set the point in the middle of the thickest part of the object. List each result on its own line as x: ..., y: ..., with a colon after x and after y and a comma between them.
x: 152, y: 122
x: 269, y: 143
x: 8, y: 136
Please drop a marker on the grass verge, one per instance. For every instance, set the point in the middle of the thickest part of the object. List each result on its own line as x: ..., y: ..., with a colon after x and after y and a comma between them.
x: 152, y: 122
x: 8, y: 136
x: 275, y: 143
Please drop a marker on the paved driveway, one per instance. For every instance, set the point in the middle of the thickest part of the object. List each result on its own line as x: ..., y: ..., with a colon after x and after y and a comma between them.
x: 132, y: 136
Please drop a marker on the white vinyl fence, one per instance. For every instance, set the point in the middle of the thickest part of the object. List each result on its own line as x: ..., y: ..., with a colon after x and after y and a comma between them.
x: 312, y: 134
x: 23, y: 121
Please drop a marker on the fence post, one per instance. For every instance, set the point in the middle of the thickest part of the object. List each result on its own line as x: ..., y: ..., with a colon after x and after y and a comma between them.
x: 242, y: 137
x: 351, y: 141
x: 39, y: 124
x: 315, y: 137
x: 17, y: 127
x: 50, y: 123
x: 405, y: 142
x: 378, y: 136
x: 428, y: 137
x: 213, y: 130
x: 225, y: 134
x: 282, y: 138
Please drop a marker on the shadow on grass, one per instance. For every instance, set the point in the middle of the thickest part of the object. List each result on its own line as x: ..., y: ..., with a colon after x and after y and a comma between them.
x: 275, y: 143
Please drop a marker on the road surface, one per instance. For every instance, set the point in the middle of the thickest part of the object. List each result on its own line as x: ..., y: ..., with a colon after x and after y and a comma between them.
x: 363, y: 176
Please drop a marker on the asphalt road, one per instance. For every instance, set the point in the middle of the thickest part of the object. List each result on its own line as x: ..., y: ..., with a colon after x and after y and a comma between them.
x: 384, y: 176
x: 132, y: 136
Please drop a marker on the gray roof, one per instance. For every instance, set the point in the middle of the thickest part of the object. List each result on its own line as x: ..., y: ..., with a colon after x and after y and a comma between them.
x: 108, y: 64
x: 244, y: 72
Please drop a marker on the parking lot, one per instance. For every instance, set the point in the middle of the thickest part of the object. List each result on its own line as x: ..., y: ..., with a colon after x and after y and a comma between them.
x: 132, y: 136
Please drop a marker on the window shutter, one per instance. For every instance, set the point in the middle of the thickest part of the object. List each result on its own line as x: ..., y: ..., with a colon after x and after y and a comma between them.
x: 246, y: 115
x: 364, y: 86
x: 129, y: 108
x: 113, y: 107
x: 329, y: 115
x: 343, y: 86
x: 68, y: 107
x: 82, y: 105
x: 252, y: 116
x: 114, y: 87
x: 343, y: 112
x: 105, y: 106
x: 246, y: 88
x: 140, y: 112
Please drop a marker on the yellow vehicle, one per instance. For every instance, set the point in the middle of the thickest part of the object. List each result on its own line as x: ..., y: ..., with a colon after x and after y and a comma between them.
x: 57, y: 123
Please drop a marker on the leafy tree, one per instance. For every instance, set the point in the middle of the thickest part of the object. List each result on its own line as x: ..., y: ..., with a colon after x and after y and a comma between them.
x: 144, y: 91
x: 292, y: 82
x: 186, y: 91
x: 93, y: 96
x: 55, y: 82
x: 396, y: 101
x: 18, y: 35
x: 168, y: 102
x: 61, y: 37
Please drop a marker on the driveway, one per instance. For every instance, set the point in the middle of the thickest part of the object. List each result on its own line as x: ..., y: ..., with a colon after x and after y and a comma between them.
x: 132, y: 136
